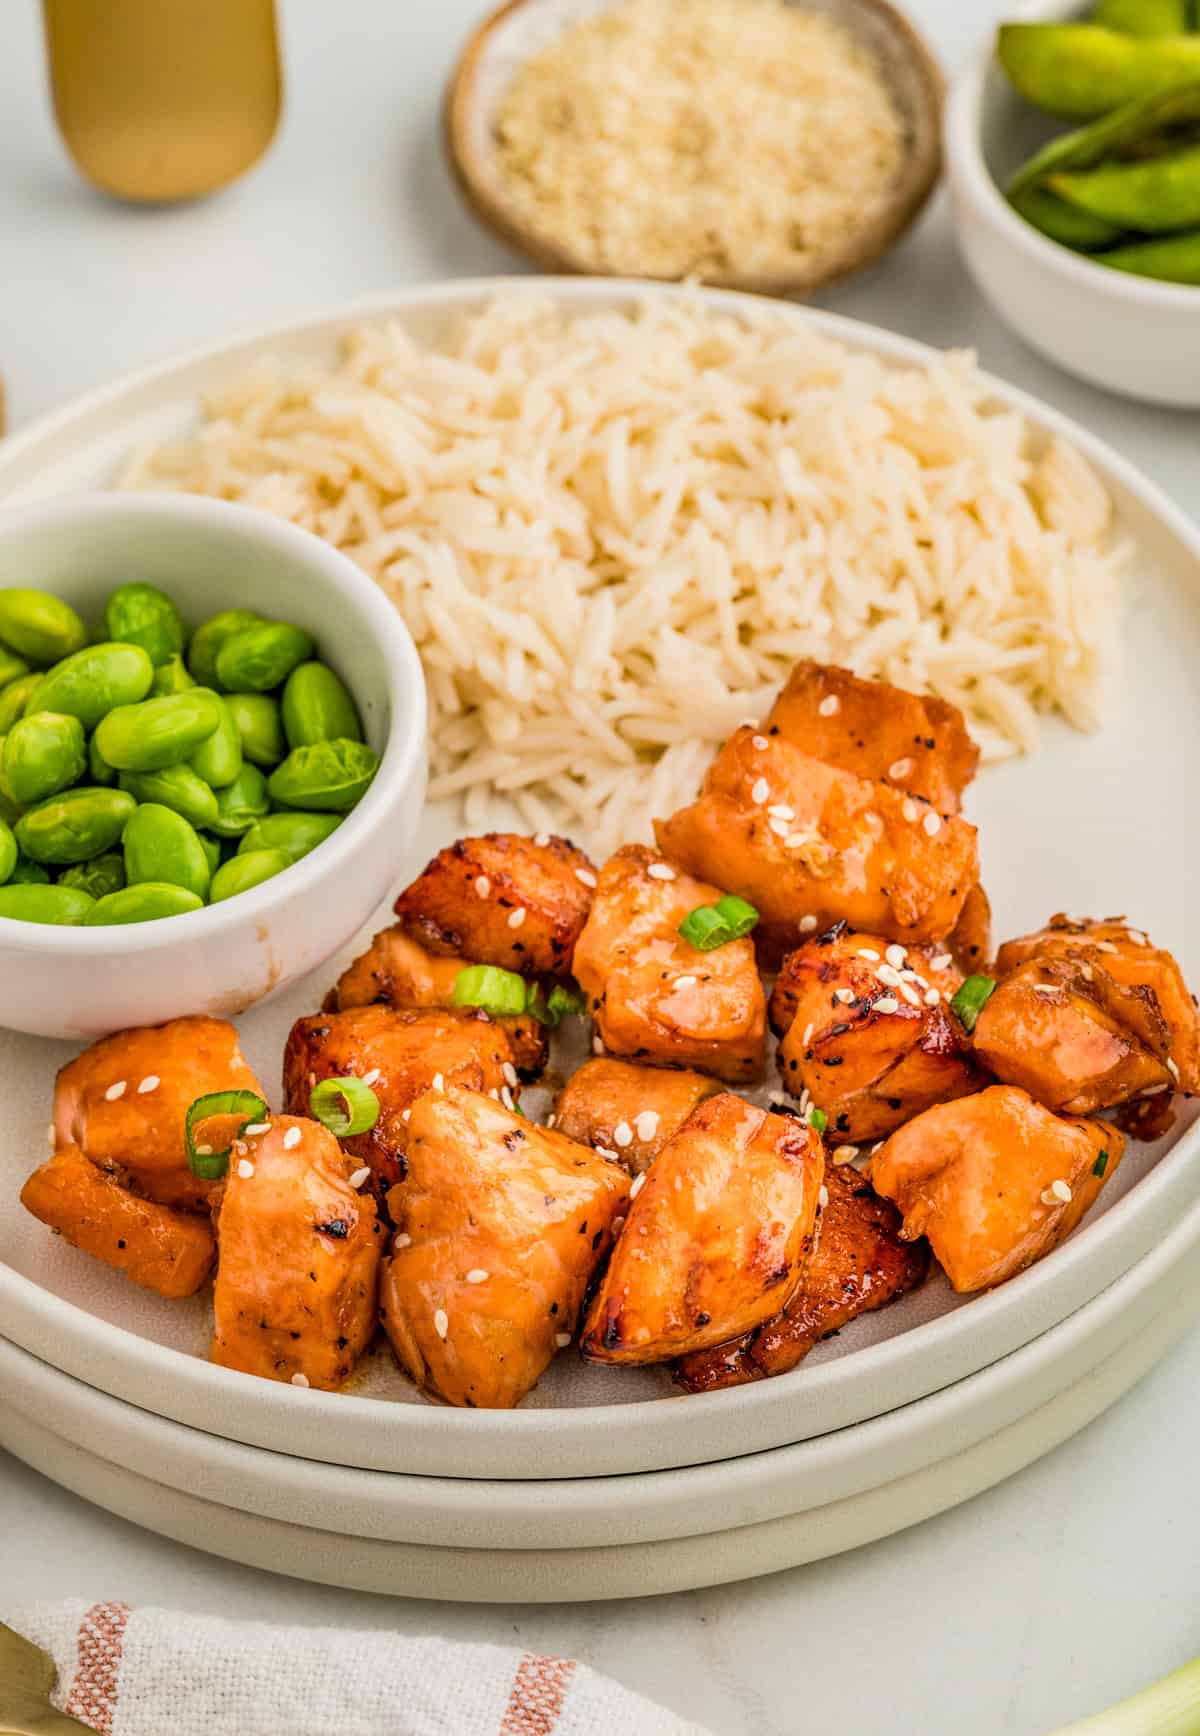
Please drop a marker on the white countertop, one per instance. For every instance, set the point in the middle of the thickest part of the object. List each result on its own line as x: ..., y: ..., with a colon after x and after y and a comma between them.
x: 1053, y: 1595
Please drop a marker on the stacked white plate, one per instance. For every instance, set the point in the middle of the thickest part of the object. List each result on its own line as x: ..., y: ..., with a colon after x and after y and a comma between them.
x: 607, y: 1483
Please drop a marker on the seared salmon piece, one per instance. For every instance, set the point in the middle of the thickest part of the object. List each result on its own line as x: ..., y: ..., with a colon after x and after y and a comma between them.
x: 719, y: 1233
x: 501, y: 1225
x: 629, y: 1110
x: 167, y: 1251
x: 400, y: 1054
x: 652, y: 996
x: 397, y: 971
x: 1127, y: 955
x: 994, y: 1181
x: 808, y: 845
x: 519, y: 903
x: 877, y: 731
x: 866, y: 1030
x: 859, y: 1264
x: 124, y: 1101
x: 296, y: 1290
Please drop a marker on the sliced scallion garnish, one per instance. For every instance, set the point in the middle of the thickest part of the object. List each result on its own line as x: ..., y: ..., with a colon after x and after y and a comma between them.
x: 971, y: 999
x: 712, y: 925
x: 1101, y: 1164
x: 565, y: 1003
x: 739, y: 916
x: 818, y: 1120
x: 211, y: 1165
x: 345, y: 1106
x: 500, y: 992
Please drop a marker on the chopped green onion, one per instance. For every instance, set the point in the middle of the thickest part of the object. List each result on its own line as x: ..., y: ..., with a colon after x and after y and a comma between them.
x: 345, y: 1106
x: 971, y: 998
x: 499, y: 992
x: 1101, y: 1164
x: 818, y: 1120
x: 211, y: 1165
x: 565, y: 1003
x: 740, y: 916
x: 712, y: 925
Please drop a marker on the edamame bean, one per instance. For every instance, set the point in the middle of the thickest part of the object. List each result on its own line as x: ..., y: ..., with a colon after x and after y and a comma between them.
x: 259, y: 658
x: 43, y: 754
x: 1062, y: 222
x: 260, y: 727
x: 171, y: 677
x: 11, y: 666
x: 42, y: 628
x: 104, y: 874
x: 94, y: 682
x: 241, y: 803
x: 240, y: 873
x: 27, y: 873
x: 1156, y: 197
x: 325, y: 776
x: 99, y: 770
x: 317, y: 707
x: 8, y: 852
x: 213, y: 851
x: 219, y: 759
x: 74, y: 826
x: 1143, y: 17
x: 149, y: 901
x: 143, y: 615
x: 208, y: 639
x: 160, y: 845
x: 176, y: 787
x: 1176, y: 259
x: 13, y: 699
x: 64, y: 906
x: 158, y: 732
x: 1083, y: 69
x: 293, y: 833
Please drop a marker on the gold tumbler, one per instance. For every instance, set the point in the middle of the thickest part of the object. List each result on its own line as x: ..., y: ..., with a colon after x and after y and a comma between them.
x: 160, y: 100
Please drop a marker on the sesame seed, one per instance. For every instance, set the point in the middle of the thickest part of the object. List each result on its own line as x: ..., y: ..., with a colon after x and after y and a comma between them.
x: 932, y: 824
x: 477, y: 1276
x: 439, y: 1082
x: 914, y: 977
x: 888, y: 974
x: 618, y: 1224
x: 807, y: 924
x: 781, y: 811
x: 407, y: 1112
x: 510, y: 1074
x: 115, y: 1091
x: 843, y: 1154
x: 608, y: 1152
x: 255, y: 1128
x: 1150, y: 1091
x: 1087, y: 973
x: 517, y: 917
x: 441, y: 1324
x: 372, y: 1077
x: 932, y: 997
x: 887, y: 1004
x: 866, y: 1284
x: 759, y: 792
x: 1137, y: 937
x: 685, y: 982
x: 1045, y: 989
x: 909, y: 809
x: 622, y: 1134
x: 240, y: 1146
x: 1106, y: 946
x: 830, y: 705
x: 646, y: 1123
x: 795, y: 841
x: 550, y: 1120
x: 943, y: 961
x: 910, y: 995
x: 506, y: 1097
x: 805, y: 1101
x: 1057, y: 1194
x: 299, y: 1380
x: 823, y: 1198
x: 780, y: 828
x: 1172, y: 1069
x: 639, y: 1184
x: 150, y: 1083
x: 482, y: 885
x: 661, y: 871
x: 843, y: 995
x: 245, y: 1169
x: 867, y: 953
x: 807, y: 1037
x: 561, y: 1340
x: 360, y: 1176
x: 896, y: 956
x: 900, y: 768
x: 597, y: 1045
x: 401, y: 1240
x: 585, y: 877
x: 541, y: 839
x: 51, y: 1136
x: 760, y: 742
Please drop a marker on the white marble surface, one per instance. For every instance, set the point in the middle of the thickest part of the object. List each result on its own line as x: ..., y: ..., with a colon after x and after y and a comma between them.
x: 1053, y: 1595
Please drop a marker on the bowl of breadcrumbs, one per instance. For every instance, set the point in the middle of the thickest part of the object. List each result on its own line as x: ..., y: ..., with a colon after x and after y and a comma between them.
x: 770, y: 145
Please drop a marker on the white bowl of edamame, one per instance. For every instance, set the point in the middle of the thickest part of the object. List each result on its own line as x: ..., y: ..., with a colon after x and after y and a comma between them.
x: 212, y: 752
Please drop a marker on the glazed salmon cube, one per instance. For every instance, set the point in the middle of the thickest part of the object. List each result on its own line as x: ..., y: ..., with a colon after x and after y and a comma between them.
x: 629, y: 1110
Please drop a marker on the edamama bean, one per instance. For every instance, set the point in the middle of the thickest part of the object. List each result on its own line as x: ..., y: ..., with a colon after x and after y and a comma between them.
x: 1082, y: 70
x: 325, y: 776
x: 240, y: 873
x: 148, y: 902
x: 1143, y: 17
x: 143, y: 615
x: 241, y: 803
x: 27, y: 873
x: 1062, y: 222
x: 74, y: 826
x: 219, y: 759
x: 260, y: 727
x: 13, y: 699
x: 1176, y: 259
x: 11, y: 666
x: 171, y: 677
x: 176, y: 787
x: 317, y: 707
x: 43, y: 754
x: 158, y: 732
x: 208, y: 639
x: 1156, y: 197
x: 259, y: 658
x: 42, y: 628
x: 94, y: 682
x: 160, y: 845
x: 293, y: 833
x: 104, y: 874
x: 64, y: 906
x: 8, y: 852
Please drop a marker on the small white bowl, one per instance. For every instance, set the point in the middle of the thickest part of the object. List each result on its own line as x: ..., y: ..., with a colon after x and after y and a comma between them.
x: 209, y: 555
x: 1132, y: 334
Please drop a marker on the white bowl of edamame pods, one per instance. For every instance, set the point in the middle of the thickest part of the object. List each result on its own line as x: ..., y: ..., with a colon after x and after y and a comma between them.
x: 212, y: 752
x: 1111, y: 116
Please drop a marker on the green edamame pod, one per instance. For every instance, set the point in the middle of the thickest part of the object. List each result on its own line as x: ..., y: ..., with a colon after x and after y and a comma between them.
x: 212, y: 850
x: 294, y: 833
x: 240, y: 873
x: 1062, y: 222
x: 241, y: 803
x: 1080, y: 70
x: 260, y: 727
x: 143, y: 615
x: 1143, y: 17
x: 40, y: 627
x: 1174, y: 259
x: 11, y: 666
x: 99, y: 770
x: 208, y: 639
x: 158, y: 732
x: 13, y: 699
x: 99, y: 877
x: 74, y: 826
x: 1131, y: 134
x: 93, y: 682
x: 27, y: 873
x: 219, y: 759
x: 149, y: 901
x: 8, y: 852
x: 63, y: 906
x: 176, y: 787
x: 171, y: 677
x: 317, y: 707
x: 43, y: 754
x: 1157, y: 197
x: 325, y: 776
x: 256, y: 659
x: 160, y: 845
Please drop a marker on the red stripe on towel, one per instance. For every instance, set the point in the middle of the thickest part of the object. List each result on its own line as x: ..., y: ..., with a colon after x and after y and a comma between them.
x: 93, y: 1696
x: 538, y: 1692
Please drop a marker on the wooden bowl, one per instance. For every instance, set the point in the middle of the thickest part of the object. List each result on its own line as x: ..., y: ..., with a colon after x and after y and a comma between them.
x: 521, y: 28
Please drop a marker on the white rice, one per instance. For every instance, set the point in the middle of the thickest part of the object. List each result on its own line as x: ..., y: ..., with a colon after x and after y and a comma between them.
x: 611, y: 535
